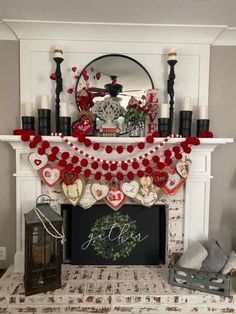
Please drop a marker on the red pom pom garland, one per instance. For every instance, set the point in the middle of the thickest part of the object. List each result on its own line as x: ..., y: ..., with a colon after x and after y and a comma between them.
x: 145, y: 163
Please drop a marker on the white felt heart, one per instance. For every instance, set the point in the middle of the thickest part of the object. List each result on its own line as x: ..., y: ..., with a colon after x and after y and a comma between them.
x: 183, y: 168
x: 50, y: 174
x: 147, y: 200
x: 87, y: 200
x: 130, y: 188
x: 74, y: 191
x: 99, y: 191
x: 37, y: 161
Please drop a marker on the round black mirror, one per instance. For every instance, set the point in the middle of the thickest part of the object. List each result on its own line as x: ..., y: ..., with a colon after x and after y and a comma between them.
x: 115, y: 75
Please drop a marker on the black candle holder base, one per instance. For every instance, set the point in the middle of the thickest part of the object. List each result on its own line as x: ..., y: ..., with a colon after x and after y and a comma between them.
x: 65, y: 125
x: 44, y: 121
x: 185, y: 123
x: 203, y: 125
x: 28, y: 123
x: 163, y: 126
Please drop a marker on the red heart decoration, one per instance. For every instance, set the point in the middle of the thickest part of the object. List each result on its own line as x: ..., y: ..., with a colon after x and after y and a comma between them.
x: 37, y: 162
x: 50, y: 174
x: 115, y: 198
x: 68, y: 176
x: 174, y: 183
x: 160, y: 178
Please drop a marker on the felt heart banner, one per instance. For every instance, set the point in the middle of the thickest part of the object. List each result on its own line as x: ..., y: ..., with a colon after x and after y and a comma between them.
x: 38, y: 161
x: 130, y: 189
x: 99, y: 191
x: 50, y: 174
x: 74, y: 191
x: 115, y: 198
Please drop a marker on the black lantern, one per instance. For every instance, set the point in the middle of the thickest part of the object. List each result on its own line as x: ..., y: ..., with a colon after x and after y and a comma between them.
x: 43, y: 249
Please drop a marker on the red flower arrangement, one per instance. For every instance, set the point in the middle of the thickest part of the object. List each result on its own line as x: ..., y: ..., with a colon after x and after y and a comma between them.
x: 84, y: 98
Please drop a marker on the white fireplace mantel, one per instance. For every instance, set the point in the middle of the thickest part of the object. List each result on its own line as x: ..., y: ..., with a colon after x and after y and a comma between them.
x: 196, y: 192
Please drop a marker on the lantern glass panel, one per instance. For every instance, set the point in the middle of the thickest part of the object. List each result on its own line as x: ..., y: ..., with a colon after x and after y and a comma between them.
x: 42, y: 252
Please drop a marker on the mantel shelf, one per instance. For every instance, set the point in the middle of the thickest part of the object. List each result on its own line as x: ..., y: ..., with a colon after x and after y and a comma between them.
x: 118, y: 140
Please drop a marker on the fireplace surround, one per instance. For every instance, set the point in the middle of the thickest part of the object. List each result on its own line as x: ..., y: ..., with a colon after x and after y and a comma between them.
x: 187, y: 213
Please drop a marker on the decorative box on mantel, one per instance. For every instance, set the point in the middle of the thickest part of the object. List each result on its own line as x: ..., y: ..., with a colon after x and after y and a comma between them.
x: 194, y: 199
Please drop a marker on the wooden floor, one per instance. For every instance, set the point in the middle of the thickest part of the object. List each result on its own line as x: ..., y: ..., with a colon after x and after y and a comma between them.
x: 113, y: 290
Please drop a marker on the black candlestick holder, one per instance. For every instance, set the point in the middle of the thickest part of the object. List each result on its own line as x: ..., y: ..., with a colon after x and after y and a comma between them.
x: 44, y: 121
x: 58, y: 89
x: 185, y: 123
x: 171, y: 92
x: 28, y: 123
x: 163, y: 126
x: 203, y: 125
x: 65, y: 125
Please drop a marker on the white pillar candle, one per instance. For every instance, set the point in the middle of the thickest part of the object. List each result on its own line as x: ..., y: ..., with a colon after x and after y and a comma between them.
x: 58, y: 53
x: 29, y: 110
x: 188, y: 104
x: 172, y: 55
x: 164, y: 112
x: 203, y: 112
x: 44, y: 102
x: 63, y: 109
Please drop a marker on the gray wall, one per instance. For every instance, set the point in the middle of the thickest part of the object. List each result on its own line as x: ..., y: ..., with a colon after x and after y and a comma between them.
x: 222, y: 114
x: 9, y: 118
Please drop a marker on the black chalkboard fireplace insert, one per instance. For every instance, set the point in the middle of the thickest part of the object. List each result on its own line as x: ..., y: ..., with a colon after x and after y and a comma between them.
x: 134, y: 235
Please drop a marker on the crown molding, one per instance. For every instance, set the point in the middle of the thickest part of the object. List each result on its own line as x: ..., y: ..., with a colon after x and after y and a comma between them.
x: 6, y: 33
x: 161, y: 33
x: 226, y: 38
x: 216, y: 35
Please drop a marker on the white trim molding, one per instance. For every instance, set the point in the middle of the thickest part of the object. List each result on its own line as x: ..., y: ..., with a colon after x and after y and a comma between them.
x: 226, y: 38
x: 6, y: 33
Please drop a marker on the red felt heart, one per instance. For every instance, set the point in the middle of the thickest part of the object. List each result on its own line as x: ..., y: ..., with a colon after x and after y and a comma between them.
x: 68, y: 176
x: 37, y: 162
x: 160, y: 178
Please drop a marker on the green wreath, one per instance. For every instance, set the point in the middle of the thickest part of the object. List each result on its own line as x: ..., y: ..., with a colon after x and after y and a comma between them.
x: 109, y: 245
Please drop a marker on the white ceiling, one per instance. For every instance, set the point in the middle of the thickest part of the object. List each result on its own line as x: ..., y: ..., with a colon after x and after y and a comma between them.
x: 204, y: 12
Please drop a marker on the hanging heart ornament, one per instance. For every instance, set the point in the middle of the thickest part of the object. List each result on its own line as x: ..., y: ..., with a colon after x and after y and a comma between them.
x: 68, y: 176
x: 74, y: 191
x: 115, y: 198
x: 37, y: 161
x: 160, y: 178
x: 183, y: 168
x: 50, y: 174
x: 174, y: 183
x: 87, y: 200
x: 130, y: 189
x: 99, y: 191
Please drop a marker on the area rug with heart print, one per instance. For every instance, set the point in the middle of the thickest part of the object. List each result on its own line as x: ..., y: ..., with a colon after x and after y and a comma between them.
x: 110, y: 289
